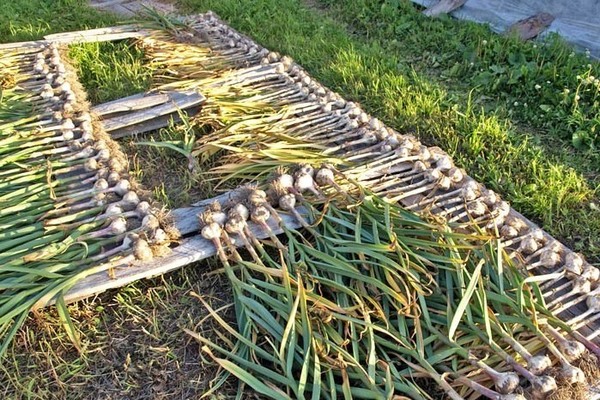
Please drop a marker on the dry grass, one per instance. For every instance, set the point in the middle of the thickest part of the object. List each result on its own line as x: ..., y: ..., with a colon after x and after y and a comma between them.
x: 133, y: 340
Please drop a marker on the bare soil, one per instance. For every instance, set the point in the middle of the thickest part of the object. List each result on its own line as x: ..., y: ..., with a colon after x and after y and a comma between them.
x: 132, y: 7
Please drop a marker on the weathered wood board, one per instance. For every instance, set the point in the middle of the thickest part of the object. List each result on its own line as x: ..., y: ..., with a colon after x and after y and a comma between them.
x: 146, y: 112
x: 188, y: 251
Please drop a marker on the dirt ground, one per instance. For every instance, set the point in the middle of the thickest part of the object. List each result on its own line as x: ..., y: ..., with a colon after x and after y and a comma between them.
x: 132, y: 7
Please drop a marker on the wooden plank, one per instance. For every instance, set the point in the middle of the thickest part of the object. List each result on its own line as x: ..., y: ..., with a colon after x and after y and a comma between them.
x: 109, y: 3
x: 189, y: 251
x: 179, y: 101
x: 96, y: 31
x: 151, y: 125
x: 531, y: 27
x: 99, y: 35
x: 36, y: 44
x: 444, y: 7
x: 185, y: 219
x: 130, y: 103
x: 90, y: 35
x: 140, y: 101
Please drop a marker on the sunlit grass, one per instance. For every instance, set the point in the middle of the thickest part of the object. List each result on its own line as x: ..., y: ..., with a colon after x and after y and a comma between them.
x: 23, y: 20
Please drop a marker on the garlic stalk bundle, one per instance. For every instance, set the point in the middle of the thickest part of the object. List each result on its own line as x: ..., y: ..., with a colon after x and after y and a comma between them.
x: 385, y: 164
x: 211, y: 231
x: 100, y: 186
x: 578, y: 285
x: 394, y: 175
x: 473, y: 210
x: 568, y: 372
x: 239, y: 210
x: 432, y: 179
x: 550, y: 247
x: 212, y: 214
x: 258, y: 198
x: 392, y: 142
x: 142, y: 212
x: 259, y: 214
x: 129, y: 201
x: 591, y: 273
x: 504, y: 382
x: 116, y: 227
x: 485, y: 391
x: 541, y: 385
x: 282, y: 178
x: 160, y: 237
x: 149, y: 223
x: 572, y: 349
x: 512, y: 228
x: 548, y: 259
x: 527, y: 246
x: 287, y: 202
x: 535, y: 234
x: 325, y: 176
x: 236, y: 225
x: 590, y: 315
x: 304, y: 182
x: 499, y: 213
x: 444, y: 163
x: 142, y: 250
x: 576, y: 300
x: 469, y: 191
x: 537, y: 364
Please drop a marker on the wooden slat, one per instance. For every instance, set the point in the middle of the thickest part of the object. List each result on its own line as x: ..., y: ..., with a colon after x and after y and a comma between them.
x: 109, y: 3
x: 151, y: 125
x: 91, y: 35
x: 99, y: 35
x: 189, y: 251
x: 185, y: 219
x: 130, y: 103
x: 178, y: 101
x: 444, y: 7
x: 36, y: 44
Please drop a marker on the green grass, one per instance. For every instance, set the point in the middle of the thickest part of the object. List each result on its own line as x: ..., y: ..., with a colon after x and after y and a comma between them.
x: 414, y: 81
x: 23, y: 20
x: 110, y: 70
x: 412, y: 72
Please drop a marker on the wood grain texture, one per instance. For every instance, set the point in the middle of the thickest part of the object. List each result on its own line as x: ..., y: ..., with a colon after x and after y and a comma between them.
x: 156, y: 107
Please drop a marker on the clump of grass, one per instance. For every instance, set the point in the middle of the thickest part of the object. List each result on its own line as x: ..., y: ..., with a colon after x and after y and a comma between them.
x: 110, y: 70
x: 546, y: 84
x: 162, y: 161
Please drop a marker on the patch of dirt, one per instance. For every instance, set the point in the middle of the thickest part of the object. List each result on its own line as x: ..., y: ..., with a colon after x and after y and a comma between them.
x: 130, y: 8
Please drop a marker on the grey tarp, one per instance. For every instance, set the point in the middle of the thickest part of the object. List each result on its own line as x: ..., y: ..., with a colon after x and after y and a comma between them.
x: 578, y: 21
